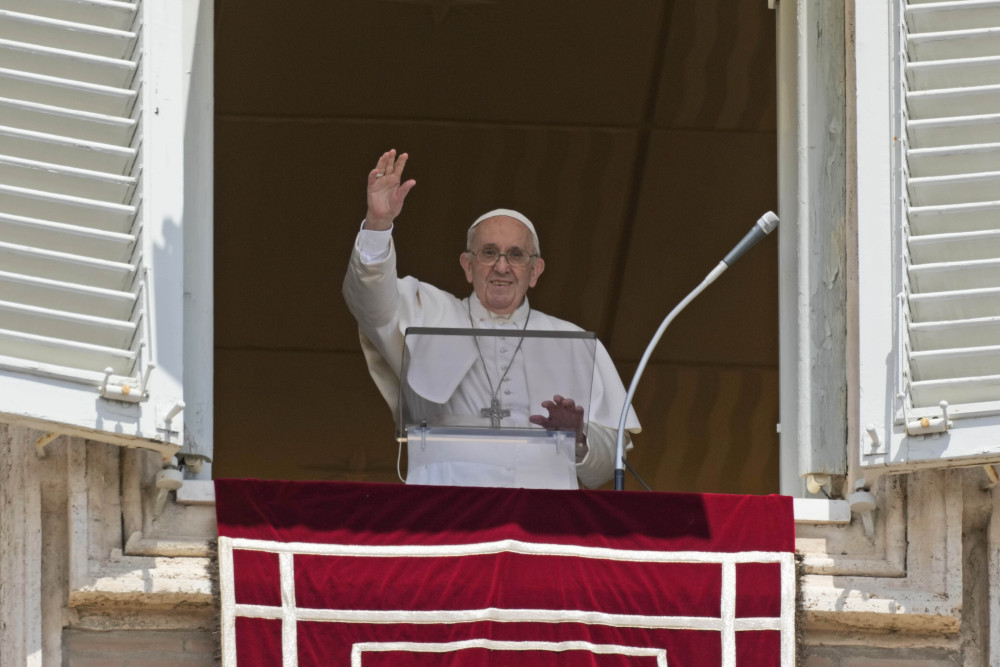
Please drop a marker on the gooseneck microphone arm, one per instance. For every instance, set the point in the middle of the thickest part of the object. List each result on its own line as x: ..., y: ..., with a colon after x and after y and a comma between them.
x: 761, y: 228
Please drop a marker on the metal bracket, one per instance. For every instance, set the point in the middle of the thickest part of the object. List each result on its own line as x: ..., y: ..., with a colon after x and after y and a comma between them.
x: 42, y: 441
x: 815, y: 483
x: 130, y: 391
x: 873, y: 444
x: 193, y: 462
x: 168, y: 420
x: 863, y: 503
x: 992, y: 476
x: 170, y: 478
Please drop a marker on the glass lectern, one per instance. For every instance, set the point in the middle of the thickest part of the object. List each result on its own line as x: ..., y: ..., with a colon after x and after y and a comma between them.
x: 466, y: 397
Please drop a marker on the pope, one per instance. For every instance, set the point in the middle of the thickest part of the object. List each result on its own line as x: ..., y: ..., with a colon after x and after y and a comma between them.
x: 502, y: 261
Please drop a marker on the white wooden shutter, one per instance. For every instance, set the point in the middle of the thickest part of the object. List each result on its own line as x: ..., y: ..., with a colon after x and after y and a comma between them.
x: 944, y: 384
x: 952, y: 211
x: 91, y: 192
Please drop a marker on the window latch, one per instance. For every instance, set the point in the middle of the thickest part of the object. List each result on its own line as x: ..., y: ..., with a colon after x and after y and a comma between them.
x: 129, y: 390
x: 935, y: 424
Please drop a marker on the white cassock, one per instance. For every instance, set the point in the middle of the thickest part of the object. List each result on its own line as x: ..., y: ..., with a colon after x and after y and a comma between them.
x: 385, y: 306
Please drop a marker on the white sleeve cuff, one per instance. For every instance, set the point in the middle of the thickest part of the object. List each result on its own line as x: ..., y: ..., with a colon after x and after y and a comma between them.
x: 598, y: 466
x: 373, y: 245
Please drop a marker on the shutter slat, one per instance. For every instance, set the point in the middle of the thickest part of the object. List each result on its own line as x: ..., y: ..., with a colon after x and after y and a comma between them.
x: 955, y: 247
x: 79, y: 125
x: 68, y: 35
x: 955, y: 363
x: 954, y: 15
x: 66, y: 64
x: 70, y: 181
x: 956, y: 189
x: 956, y: 391
x: 65, y: 267
x: 66, y: 352
x: 959, y: 131
x: 55, y: 295
x: 954, y: 160
x: 65, y: 151
x: 956, y: 73
x: 66, y: 93
x: 64, y: 208
x: 951, y: 44
x: 106, y: 13
x: 59, y: 237
x: 978, y: 332
x: 943, y: 276
x: 966, y: 217
x: 955, y: 305
x: 67, y: 326
x: 950, y: 102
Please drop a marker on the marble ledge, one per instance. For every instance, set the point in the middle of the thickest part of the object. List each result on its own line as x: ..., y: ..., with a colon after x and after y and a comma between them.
x: 807, y: 510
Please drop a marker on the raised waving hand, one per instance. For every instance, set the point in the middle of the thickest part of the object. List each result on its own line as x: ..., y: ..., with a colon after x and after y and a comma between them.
x: 386, y: 190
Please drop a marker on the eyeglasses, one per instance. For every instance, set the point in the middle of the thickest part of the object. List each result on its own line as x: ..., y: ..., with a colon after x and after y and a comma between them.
x: 489, y: 256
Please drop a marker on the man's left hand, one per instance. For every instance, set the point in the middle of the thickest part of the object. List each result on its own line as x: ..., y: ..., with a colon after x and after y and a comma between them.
x: 564, y: 415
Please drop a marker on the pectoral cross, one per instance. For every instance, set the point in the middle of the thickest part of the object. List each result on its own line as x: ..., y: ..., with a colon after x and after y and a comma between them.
x: 494, y: 413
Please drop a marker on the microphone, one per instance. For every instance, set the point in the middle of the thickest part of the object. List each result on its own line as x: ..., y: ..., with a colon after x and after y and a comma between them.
x: 764, y: 226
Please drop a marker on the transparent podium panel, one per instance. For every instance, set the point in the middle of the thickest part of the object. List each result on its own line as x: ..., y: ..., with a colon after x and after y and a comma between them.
x: 471, y: 405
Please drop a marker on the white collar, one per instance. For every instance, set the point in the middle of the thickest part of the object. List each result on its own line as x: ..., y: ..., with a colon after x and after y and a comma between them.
x: 481, y: 314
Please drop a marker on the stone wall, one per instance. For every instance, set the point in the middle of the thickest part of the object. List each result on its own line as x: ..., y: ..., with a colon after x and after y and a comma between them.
x: 867, y: 657
x: 920, y: 589
x: 139, y: 648
x: 97, y: 566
